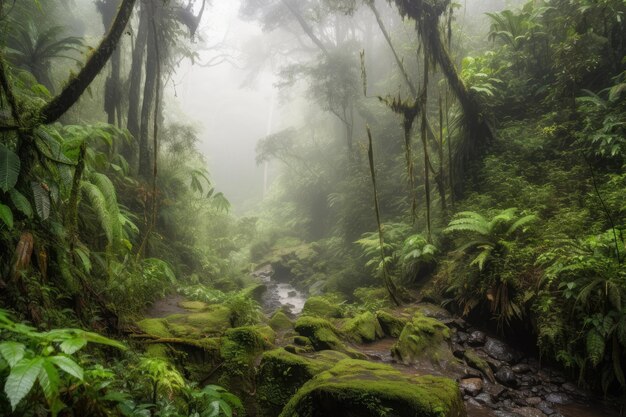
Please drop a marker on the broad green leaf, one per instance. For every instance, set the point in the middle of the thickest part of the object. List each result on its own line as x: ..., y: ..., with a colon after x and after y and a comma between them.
x: 68, y: 365
x: 73, y: 345
x: 6, y: 215
x: 21, y: 379
x: 12, y: 352
x: 49, y: 381
x: 96, y: 338
x: 21, y: 203
x: 42, y: 200
x: 9, y: 168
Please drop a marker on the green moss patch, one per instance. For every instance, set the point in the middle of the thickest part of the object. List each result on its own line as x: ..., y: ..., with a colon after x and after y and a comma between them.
x: 154, y: 327
x: 323, y: 335
x: 423, y: 337
x: 391, y: 323
x: 361, y: 388
x: 282, y: 373
x: 280, y: 321
x: 193, y: 305
x: 363, y: 328
x: 321, y: 307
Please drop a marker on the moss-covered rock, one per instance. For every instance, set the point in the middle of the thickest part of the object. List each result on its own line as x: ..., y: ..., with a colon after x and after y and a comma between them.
x: 363, y: 328
x: 476, y: 362
x: 211, y: 322
x: 281, y: 373
x: 280, y: 321
x: 155, y: 327
x: 391, y: 324
x: 255, y: 292
x: 238, y: 350
x: 193, y: 305
x: 359, y: 388
x: 321, y: 307
x: 423, y: 338
x: 323, y: 335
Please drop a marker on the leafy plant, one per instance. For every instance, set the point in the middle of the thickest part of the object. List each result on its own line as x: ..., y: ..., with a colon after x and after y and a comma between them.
x: 45, y: 358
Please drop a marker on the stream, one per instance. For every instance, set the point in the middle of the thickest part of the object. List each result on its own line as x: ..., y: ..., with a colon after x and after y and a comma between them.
x: 522, y: 387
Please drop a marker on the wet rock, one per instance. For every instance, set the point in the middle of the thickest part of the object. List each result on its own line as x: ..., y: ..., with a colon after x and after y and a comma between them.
x: 558, y: 398
x: 457, y: 350
x: 476, y: 362
x: 471, y: 386
x: 496, y: 390
x: 533, y: 401
x: 528, y: 412
x: 502, y: 413
x: 477, y: 338
x: 462, y: 336
x: 569, y: 387
x: 458, y: 324
x: 434, y: 311
x: 507, y: 377
x: 484, y: 398
x: 546, y: 408
x: 500, y: 351
x: 521, y: 368
x: 292, y: 293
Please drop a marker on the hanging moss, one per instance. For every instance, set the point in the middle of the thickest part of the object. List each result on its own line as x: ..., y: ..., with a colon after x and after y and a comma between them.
x: 364, y: 389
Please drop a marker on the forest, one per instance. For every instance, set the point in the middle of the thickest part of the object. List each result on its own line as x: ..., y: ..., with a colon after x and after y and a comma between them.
x: 313, y: 208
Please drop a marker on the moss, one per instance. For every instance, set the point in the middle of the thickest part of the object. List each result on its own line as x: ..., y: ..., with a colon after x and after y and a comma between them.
x: 476, y: 362
x: 391, y: 324
x: 302, y: 341
x: 255, y: 292
x: 363, y: 328
x: 361, y: 388
x: 212, y: 322
x: 193, y: 305
x: 423, y: 337
x: 239, y: 349
x: 323, y: 335
x: 282, y: 373
x: 280, y: 321
x: 155, y: 327
x: 321, y: 307
x: 156, y: 350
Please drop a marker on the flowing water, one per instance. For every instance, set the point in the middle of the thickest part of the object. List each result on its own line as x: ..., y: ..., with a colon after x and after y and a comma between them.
x: 279, y: 294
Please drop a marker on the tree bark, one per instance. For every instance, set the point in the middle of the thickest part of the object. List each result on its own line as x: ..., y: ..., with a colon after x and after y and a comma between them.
x: 72, y: 91
x: 145, y: 165
x: 107, y: 9
x: 136, y: 69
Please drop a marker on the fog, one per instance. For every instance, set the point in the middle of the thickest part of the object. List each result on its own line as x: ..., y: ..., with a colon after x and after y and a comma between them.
x: 234, y: 101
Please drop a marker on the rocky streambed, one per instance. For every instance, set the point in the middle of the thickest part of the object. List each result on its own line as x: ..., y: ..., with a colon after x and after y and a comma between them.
x: 310, y: 358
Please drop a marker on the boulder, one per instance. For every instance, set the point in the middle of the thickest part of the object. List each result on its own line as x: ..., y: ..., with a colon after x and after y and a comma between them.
x: 360, y: 388
x: 423, y: 338
x: 281, y: 374
x: 363, y: 328
x: 500, y: 351
x: 323, y: 335
x: 391, y: 324
x: 321, y: 307
x: 471, y: 386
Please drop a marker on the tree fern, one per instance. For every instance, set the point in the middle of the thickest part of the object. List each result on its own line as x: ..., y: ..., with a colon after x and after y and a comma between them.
x: 99, y: 205
x: 107, y: 189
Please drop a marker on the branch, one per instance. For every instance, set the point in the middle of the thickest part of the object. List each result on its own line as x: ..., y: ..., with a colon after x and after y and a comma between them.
x: 52, y: 111
x: 305, y: 26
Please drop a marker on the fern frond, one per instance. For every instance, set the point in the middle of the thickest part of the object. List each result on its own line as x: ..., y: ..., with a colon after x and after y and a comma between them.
x: 521, y: 222
x: 595, y: 346
x: 467, y: 227
x: 107, y: 189
x: 99, y: 205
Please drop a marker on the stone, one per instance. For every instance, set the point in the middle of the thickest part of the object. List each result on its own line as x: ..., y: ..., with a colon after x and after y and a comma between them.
x: 507, y: 377
x: 484, y: 398
x: 471, y: 386
x: 365, y: 389
x: 363, y: 328
x: 558, y: 398
x: 502, y: 413
x: 528, y: 412
x: 545, y: 407
x: 477, y: 338
x: 500, y: 351
x: 462, y: 336
x: 496, y: 390
x: 423, y: 338
x: 533, y: 400
x: 476, y: 362
x: 521, y: 368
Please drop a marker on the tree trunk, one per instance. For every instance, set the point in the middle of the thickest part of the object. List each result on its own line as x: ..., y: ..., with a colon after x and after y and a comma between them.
x: 134, y: 91
x: 107, y: 9
x: 77, y: 85
x: 145, y: 160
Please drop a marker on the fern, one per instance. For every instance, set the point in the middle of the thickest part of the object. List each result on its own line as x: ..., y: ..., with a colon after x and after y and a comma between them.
x: 595, y: 347
x: 99, y: 205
